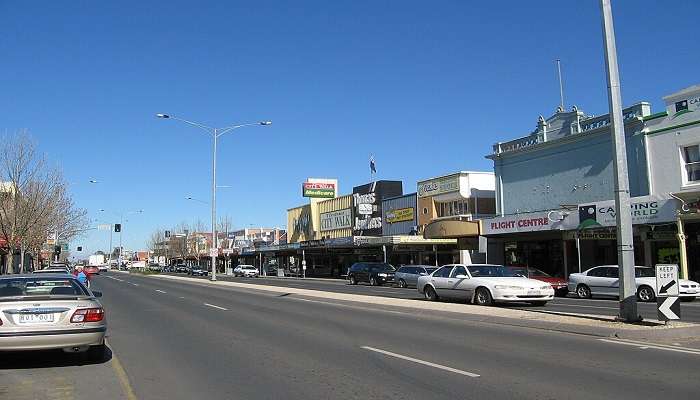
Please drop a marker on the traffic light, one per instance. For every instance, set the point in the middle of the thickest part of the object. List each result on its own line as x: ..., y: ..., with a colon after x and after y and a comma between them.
x: 167, y: 234
x: 57, y: 249
x: 80, y: 248
x: 117, y: 227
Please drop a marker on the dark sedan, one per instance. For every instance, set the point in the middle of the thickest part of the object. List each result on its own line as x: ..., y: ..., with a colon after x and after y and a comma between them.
x: 197, y: 271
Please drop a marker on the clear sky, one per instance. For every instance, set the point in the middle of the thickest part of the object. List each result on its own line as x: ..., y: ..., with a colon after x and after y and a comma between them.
x: 425, y: 86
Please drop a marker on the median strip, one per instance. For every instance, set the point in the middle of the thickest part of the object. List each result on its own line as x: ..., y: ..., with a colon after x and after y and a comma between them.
x: 426, y: 363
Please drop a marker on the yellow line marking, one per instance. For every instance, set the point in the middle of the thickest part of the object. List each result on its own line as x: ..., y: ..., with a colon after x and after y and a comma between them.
x: 123, y: 378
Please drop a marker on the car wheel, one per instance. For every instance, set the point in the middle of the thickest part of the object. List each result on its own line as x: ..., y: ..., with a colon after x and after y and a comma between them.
x: 430, y: 294
x: 353, y: 281
x: 402, y: 283
x: 372, y: 281
x: 646, y: 294
x: 483, y: 297
x: 583, y: 292
x: 538, y: 303
x: 96, y: 353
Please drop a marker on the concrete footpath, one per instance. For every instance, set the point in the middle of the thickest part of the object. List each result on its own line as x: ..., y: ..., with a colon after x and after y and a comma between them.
x: 538, y: 318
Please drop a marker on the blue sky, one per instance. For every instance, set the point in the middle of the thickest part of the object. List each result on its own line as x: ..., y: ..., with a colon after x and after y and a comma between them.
x: 427, y: 87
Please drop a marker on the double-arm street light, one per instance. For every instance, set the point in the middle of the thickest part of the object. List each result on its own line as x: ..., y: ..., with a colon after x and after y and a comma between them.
x: 215, y: 133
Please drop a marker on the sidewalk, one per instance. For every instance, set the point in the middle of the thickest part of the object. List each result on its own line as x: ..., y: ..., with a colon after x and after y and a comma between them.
x: 594, y: 325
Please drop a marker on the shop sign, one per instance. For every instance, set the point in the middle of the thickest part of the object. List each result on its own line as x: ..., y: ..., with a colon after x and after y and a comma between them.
x: 368, y: 240
x: 594, y: 235
x: 661, y: 236
x: 530, y: 222
x: 336, y: 220
x: 400, y: 215
x: 438, y: 186
x: 318, y: 190
x: 365, y: 209
x: 644, y: 210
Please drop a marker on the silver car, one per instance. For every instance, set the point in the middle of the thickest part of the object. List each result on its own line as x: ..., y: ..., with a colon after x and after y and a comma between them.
x: 407, y: 275
x: 50, y: 311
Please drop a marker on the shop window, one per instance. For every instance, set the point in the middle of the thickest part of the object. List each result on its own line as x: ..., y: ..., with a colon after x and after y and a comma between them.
x: 681, y: 105
x: 691, y: 159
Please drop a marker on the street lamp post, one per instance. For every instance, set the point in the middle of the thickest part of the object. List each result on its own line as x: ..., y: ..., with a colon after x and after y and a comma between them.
x: 215, y: 134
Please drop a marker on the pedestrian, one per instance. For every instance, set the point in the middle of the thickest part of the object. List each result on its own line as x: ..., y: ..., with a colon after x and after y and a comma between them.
x: 83, y: 277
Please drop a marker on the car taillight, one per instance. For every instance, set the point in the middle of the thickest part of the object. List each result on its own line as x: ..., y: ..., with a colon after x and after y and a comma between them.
x: 87, y: 315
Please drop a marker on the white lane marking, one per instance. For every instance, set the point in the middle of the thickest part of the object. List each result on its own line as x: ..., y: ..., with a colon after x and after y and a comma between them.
x: 160, y: 291
x: 181, y: 297
x: 134, y: 284
x: 217, y: 307
x: 427, y: 363
x: 646, y: 346
x: 118, y: 280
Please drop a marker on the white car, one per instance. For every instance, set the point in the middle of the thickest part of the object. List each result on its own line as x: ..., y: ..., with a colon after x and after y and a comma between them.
x: 604, y: 281
x: 484, y: 284
x: 246, y: 271
x: 103, y: 268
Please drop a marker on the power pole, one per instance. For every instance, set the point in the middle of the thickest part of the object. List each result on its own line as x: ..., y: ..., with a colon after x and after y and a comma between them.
x: 623, y: 217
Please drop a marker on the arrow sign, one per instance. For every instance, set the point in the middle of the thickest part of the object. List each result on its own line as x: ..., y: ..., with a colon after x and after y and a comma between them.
x: 669, y: 308
x: 667, y: 286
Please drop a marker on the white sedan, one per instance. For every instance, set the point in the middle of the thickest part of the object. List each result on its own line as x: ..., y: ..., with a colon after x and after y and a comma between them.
x: 604, y: 280
x: 484, y: 284
x: 246, y: 271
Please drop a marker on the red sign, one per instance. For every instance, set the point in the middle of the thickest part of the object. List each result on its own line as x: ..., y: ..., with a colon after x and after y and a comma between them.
x: 319, y: 185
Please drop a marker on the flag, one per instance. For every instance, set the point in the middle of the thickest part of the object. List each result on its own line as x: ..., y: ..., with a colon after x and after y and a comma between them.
x: 372, y: 165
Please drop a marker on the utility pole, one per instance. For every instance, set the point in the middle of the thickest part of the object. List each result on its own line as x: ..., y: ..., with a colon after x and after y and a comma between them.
x: 623, y: 217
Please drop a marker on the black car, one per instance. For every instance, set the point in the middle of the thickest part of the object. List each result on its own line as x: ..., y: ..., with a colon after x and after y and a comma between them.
x: 197, y: 271
x: 374, y: 273
x: 181, y: 268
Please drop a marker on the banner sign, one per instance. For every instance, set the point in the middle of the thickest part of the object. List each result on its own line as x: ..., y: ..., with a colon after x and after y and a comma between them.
x: 529, y: 222
x: 437, y: 186
x: 318, y: 190
x: 400, y: 215
x: 341, y: 219
x: 650, y: 209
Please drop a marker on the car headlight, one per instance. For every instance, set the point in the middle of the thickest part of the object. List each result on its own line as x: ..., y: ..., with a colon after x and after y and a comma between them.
x: 382, y: 275
x: 508, y: 287
x: 546, y: 287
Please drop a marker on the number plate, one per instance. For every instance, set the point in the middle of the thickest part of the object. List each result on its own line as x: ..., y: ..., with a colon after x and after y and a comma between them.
x: 533, y: 292
x: 35, y: 318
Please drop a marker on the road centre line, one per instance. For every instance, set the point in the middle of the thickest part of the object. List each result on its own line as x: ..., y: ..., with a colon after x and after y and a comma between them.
x: 426, y: 363
x: 645, y: 346
x: 217, y: 307
x: 160, y: 291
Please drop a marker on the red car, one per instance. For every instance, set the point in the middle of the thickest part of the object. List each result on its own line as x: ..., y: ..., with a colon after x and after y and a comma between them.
x: 559, y: 285
x: 92, y: 270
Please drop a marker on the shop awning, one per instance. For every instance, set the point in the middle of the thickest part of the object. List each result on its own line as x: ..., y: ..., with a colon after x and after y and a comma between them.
x: 451, y: 229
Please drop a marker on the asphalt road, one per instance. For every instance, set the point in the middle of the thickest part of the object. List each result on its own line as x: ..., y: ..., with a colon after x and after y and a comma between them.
x: 180, y: 340
x: 690, y: 311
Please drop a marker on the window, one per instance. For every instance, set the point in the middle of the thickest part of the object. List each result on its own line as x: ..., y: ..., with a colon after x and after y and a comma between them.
x: 600, y: 272
x: 681, y: 105
x: 691, y: 158
x: 443, y: 272
x: 458, y: 270
x: 613, y: 272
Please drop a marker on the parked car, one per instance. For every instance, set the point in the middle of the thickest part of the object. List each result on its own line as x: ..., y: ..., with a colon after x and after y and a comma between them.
x: 197, y: 271
x: 560, y: 285
x: 52, y: 270
x: 103, y: 268
x: 246, y: 271
x: 604, y: 280
x: 154, y: 267
x: 50, y: 311
x: 181, y: 268
x: 484, y: 284
x: 374, y: 273
x: 407, y: 275
x: 92, y: 270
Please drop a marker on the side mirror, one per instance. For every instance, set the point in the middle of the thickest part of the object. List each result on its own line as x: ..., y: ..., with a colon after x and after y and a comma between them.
x: 422, y: 273
x: 97, y: 293
x: 461, y: 276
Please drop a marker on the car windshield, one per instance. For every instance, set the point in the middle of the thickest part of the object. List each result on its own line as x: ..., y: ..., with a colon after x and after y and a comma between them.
x: 382, y: 267
x: 40, y: 286
x: 644, y: 272
x: 430, y: 270
x: 496, y: 271
x: 536, y: 273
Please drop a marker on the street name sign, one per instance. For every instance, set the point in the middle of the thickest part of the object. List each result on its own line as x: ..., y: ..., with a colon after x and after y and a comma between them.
x: 213, y: 252
x: 667, y: 290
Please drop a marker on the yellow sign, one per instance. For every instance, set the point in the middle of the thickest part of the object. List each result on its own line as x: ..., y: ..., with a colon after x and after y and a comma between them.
x: 399, y: 215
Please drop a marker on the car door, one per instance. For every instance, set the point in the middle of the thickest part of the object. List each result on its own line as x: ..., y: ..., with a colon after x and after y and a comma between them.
x: 460, y: 288
x: 440, y: 280
x: 363, y: 273
x: 598, y: 281
x: 411, y: 276
x: 613, y: 281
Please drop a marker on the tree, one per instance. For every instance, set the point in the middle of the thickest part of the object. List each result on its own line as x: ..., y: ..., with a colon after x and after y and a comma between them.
x: 34, y: 200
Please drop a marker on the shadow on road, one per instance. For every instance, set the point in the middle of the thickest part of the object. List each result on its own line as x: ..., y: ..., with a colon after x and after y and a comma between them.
x: 48, y: 359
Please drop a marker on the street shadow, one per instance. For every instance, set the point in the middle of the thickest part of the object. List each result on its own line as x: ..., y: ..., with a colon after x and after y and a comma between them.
x: 37, y: 359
